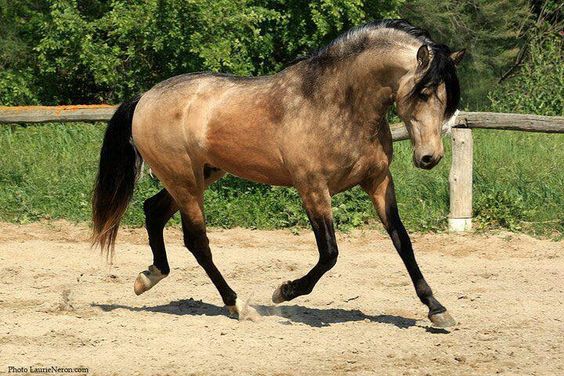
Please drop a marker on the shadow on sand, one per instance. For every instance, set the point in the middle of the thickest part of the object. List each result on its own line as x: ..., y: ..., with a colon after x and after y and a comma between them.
x: 315, y: 317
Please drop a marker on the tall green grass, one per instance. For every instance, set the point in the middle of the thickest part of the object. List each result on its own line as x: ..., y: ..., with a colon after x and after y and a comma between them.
x: 47, y: 172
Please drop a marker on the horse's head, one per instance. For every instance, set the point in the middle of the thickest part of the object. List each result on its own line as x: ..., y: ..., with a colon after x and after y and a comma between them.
x: 427, y: 96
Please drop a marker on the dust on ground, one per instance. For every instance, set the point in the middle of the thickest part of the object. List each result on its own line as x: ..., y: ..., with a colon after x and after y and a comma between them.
x: 62, y: 305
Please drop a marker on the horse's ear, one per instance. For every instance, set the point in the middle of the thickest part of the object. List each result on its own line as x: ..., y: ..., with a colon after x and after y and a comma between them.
x: 423, y: 57
x: 457, y: 56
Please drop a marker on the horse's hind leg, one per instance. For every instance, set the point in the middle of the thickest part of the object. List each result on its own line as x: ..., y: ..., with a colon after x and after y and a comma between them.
x: 196, y: 240
x: 158, y: 210
x: 317, y: 204
x: 382, y: 193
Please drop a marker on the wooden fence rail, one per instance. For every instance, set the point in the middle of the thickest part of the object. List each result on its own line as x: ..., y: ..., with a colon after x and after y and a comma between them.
x: 50, y: 114
x: 460, y: 125
x: 460, y: 176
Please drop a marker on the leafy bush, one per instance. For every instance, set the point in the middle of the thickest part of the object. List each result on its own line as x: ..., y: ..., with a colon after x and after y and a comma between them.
x: 536, y: 88
x: 91, y: 51
x: 489, y: 30
x: 19, y: 23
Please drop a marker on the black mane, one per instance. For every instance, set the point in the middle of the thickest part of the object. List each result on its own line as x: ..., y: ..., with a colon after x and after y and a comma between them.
x: 441, y: 70
x: 356, y: 40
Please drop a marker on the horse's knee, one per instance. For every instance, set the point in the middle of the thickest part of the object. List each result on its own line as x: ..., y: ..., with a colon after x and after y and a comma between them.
x: 196, y: 238
x: 197, y: 243
x: 157, y: 210
x: 329, y: 259
x: 148, y: 208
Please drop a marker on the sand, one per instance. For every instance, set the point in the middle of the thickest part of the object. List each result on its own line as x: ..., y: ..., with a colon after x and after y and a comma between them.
x: 61, y: 305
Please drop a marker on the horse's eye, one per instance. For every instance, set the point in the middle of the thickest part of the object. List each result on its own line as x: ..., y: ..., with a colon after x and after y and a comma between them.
x: 423, y: 96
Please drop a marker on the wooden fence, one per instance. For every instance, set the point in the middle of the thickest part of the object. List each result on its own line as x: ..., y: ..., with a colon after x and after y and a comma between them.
x: 460, y: 127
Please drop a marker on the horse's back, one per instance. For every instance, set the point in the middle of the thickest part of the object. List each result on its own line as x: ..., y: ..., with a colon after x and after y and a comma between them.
x: 224, y: 121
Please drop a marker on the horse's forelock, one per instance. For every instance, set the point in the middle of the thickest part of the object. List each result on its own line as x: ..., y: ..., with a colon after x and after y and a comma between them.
x: 441, y: 70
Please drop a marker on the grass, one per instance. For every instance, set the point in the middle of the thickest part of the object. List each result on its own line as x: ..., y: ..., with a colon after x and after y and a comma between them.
x: 46, y: 172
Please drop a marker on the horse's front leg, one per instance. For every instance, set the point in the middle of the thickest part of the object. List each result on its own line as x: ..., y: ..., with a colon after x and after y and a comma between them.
x: 317, y: 203
x: 381, y: 191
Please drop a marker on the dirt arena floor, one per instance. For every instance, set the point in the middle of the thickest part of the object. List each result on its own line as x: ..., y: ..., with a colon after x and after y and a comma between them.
x: 62, y: 306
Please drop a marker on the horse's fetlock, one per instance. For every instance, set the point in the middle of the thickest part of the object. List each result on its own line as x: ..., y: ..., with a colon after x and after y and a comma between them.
x: 423, y: 290
x: 230, y: 299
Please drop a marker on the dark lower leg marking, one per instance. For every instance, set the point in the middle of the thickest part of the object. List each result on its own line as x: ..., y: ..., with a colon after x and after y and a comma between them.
x: 328, y: 253
x: 158, y: 210
x: 403, y: 245
x: 197, y: 242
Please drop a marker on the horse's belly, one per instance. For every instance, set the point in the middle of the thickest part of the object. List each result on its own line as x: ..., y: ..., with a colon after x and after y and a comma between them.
x: 252, y: 169
x: 248, y: 157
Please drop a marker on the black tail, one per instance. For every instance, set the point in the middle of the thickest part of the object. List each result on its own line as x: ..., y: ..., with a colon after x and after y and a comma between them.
x: 120, y: 165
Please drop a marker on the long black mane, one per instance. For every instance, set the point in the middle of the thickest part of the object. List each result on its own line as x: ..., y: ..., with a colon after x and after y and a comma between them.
x: 441, y: 70
x: 356, y: 40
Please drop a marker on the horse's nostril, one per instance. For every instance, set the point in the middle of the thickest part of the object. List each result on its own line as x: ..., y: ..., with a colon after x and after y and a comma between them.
x: 426, y: 159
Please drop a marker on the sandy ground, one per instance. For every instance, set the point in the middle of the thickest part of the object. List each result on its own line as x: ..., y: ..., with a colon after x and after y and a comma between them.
x: 61, y: 305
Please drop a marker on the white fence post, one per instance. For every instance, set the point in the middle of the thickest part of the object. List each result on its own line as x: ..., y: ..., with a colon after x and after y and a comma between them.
x: 460, y: 181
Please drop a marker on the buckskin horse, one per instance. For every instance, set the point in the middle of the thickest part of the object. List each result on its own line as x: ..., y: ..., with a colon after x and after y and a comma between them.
x: 318, y: 126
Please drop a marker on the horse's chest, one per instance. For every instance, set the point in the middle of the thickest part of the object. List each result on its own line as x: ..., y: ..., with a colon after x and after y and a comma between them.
x: 345, y: 177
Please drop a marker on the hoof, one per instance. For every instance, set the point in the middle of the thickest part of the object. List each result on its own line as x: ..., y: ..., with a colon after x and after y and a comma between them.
x: 442, y: 320
x: 244, y: 312
x: 277, y: 296
x: 147, y: 279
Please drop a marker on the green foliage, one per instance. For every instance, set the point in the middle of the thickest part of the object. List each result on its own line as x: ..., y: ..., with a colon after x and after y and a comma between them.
x: 536, y: 88
x: 301, y: 27
x: 135, y: 44
x: 19, y: 22
x: 47, y: 171
x: 17, y: 87
x: 518, y: 181
x: 91, y: 51
x: 490, y: 30
x: 500, y: 209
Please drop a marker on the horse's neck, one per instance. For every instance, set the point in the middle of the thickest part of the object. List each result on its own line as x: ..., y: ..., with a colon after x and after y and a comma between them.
x: 362, y: 89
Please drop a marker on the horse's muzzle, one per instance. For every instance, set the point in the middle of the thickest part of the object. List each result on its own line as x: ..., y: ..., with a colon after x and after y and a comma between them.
x: 426, y: 161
